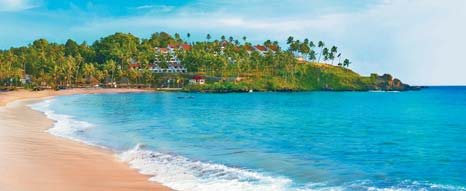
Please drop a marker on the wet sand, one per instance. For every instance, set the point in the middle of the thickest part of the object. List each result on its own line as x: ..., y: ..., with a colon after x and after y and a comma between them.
x: 32, y: 159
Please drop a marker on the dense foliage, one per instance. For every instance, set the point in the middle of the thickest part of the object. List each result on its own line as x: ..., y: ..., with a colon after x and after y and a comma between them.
x: 228, y: 64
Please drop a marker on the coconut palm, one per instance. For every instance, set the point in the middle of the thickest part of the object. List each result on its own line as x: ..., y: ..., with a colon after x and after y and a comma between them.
x: 177, y: 37
x: 346, y: 63
x: 311, y: 44
x: 312, y: 55
x: 290, y: 40
x: 325, y: 53
x: 333, y: 51
x: 331, y: 56
x: 321, y: 45
x: 295, y: 46
x: 339, y: 59
x: 304, y: 48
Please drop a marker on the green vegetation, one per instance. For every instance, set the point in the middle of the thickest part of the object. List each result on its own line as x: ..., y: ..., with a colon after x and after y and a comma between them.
x: 228, y: 64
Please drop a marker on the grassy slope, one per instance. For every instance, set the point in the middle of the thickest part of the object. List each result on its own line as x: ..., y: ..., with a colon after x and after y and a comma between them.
x: 329, y: 77
x: 310, y: 76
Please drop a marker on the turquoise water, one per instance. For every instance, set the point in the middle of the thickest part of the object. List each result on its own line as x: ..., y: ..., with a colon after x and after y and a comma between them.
x: 278, y: 141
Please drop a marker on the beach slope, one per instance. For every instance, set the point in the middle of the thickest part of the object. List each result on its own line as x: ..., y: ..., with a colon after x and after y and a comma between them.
x: 32, y: 159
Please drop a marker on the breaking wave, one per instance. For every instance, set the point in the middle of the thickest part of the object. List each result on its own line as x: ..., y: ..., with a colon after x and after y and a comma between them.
x: 64, y: 125
x: 184, y: 174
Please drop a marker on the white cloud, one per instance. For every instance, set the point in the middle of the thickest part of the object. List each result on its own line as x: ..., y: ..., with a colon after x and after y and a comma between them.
x: 17, y: 5
x: 419, y: 41
x: 156, y: 8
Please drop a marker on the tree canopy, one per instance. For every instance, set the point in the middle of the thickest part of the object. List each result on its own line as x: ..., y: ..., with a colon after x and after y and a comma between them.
x: 111, y: 60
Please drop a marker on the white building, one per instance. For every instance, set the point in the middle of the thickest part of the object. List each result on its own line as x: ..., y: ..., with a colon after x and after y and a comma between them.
x: 168, y: 55
x: 197, y: 80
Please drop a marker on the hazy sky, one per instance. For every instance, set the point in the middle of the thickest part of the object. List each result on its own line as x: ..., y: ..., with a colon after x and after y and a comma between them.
x: 420, y: 41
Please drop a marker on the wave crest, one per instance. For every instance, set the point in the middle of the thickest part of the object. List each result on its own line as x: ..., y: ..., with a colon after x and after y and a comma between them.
x: 181, y: 173
x: 65, y: 125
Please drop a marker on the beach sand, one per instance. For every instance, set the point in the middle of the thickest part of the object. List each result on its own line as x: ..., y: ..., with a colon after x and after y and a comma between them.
x: 31, y: 159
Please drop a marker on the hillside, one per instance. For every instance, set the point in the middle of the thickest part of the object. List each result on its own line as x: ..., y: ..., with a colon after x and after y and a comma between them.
x: 163, y: 61
x: 308, y: 77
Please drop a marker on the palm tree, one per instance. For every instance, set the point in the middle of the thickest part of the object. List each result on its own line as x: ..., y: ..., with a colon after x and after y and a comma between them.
x: 312, y: 55
x: 208, y: 37
x: 290, y: 40
x: 110, y: 66
x: 346, y: 63
x: 177, y: 37
x: 244, y: 39
x: 321, y: 46
x: 306, y: 41
x: 311, y: 44
x: 230, y: 39
x: 79, y: 60
x: 339, y: 59
x: 188, y: 35
x: 304, y: 48
x: 223, y: 37
x: 56, y: 73
x: 267, y: 43
x: 331, y: 56
x: 333, y: 51
x: 325, y: 53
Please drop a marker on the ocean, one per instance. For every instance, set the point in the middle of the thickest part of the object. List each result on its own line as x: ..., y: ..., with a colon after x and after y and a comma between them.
x: 273, y: 141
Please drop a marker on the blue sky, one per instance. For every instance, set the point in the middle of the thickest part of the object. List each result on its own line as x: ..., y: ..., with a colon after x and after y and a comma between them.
x: 419, y: 41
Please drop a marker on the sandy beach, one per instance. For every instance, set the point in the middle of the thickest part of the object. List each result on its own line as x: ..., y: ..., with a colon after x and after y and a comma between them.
x: 32, y: 159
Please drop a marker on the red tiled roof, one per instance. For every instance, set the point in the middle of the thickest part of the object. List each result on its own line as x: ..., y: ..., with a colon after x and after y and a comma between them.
x: 173, y: 45
x: 272, y: 47
x: 259, y: 47
x: 223, y: 43
x: 198, y: 77
x: 186, y: 47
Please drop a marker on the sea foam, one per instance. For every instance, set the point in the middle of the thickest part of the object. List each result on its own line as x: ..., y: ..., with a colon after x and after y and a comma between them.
x: 64, y: 125
x: 184, y: 174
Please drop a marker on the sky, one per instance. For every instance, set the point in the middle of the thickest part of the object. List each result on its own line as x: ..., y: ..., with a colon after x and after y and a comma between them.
x: 421, y: 42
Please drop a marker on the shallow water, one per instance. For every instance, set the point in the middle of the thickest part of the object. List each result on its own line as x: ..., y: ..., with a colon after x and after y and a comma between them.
x: 278, y: 141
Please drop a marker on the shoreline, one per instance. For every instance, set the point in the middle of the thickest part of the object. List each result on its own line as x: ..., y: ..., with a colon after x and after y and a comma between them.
x: 32, y: 159
x: 11, y: 96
